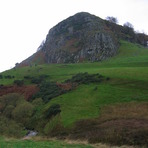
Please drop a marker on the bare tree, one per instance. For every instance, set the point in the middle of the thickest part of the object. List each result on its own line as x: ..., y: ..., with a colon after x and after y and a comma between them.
x: 41, y: 45
x: 129, y: 25
x: 129, y: 28
x: 112, y: 19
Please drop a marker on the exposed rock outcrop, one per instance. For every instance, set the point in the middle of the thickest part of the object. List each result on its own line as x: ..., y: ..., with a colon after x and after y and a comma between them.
x: 82, y: 37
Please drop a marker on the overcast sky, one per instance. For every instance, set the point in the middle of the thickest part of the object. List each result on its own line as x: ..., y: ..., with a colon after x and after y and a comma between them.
x: 24, y: 24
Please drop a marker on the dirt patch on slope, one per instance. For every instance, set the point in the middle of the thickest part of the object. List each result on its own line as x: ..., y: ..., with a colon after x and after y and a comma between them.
x: 26, y: 91
x: 66, y: 86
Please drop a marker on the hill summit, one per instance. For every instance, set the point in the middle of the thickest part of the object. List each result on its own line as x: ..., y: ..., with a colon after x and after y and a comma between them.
x: 78, y: 38
x: 81, y: 37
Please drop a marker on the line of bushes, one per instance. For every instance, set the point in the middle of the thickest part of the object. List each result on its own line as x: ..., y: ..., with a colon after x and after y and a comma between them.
x: 7, y: 77
x: 85, y: 78
x: 48, y: 90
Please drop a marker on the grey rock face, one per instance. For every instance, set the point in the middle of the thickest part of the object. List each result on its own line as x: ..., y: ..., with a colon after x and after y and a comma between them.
x: 78, y: 38
x: 82, y: 37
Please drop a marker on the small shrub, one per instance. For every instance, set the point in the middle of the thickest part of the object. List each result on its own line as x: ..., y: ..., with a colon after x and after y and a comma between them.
x: 9, y: 77
x: 8, y: 111
x: 38, y: 80
x: 85, y: 78
x: 48, y: 90
x: 37, y: 102
x: 53, y: 127
x: 1, y: 76
x: 1, y: 85
x: 22, y: 113
x: 107, y: 78
x: 10, y: 128
x: 19, y: 82
x: 27, y: 77
x: 53, y: 110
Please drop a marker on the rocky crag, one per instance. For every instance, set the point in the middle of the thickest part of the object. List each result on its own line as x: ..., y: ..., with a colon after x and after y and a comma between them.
x: 82, y: 37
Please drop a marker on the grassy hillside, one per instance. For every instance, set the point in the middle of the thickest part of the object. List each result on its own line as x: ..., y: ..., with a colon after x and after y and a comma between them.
x: 128, y: 73
x: 132, y: 60
x: 86, y: 100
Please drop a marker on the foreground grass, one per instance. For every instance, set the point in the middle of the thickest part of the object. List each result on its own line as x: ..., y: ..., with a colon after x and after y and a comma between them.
x: 39, y: 144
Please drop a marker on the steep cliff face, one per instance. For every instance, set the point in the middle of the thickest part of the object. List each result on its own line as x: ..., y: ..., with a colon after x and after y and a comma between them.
x: 82, y: 37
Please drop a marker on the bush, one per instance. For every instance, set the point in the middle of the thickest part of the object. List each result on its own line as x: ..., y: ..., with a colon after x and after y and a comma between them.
x: 53, y: 110
x: 1, y: 85
x: 8, y: 111
x: 12, y: 99
x: 19, y: 82
x: 9, y: 77
x: 10, y: 128
x: 15, y: 113
x: 85, y: 78
x: 53, y: 127
x: 48, y: 90
x: 27, y: 77
x: 1, y: 76
x: 37, y: 102
x: 22, y: 113
x: 38, y: 80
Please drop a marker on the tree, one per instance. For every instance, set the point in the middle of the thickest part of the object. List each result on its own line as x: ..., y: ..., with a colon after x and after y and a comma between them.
x: 10, y: 99
x: 129, y: 25
x: 8, y: 111
x: 16, y: 64
x: 112, y: 19
x: 41, y: 45
x: 129, y: 29
x: 23, y: 112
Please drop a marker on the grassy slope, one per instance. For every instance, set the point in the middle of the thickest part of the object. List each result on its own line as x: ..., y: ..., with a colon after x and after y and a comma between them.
x: 129, y: 82
x: 132, y: 60
x: 85, y: 101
